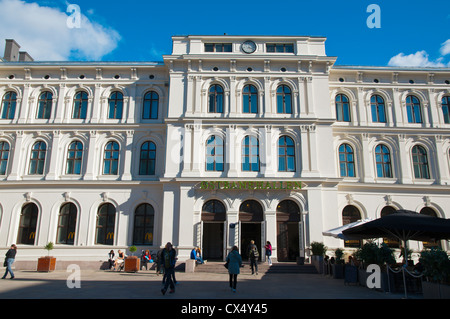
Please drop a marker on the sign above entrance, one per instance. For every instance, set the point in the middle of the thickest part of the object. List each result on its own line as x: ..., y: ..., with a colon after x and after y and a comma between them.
x: 244, y: 185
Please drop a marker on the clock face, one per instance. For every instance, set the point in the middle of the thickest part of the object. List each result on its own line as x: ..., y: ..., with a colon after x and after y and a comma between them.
x: 249, y: 47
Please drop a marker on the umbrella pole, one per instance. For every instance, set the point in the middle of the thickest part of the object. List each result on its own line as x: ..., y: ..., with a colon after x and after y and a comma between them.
x: 403, y: 268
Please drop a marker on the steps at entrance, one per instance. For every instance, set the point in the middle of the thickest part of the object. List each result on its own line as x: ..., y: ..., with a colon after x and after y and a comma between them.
x: 263, y: 268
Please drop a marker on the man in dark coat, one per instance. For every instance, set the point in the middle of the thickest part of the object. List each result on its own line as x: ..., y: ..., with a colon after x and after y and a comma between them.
x: 167, y: 261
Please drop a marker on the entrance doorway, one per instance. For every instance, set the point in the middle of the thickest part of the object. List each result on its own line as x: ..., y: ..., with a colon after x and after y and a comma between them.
x: 251, y: 224
x: 213, y: 241
x: 288, y: 231
x: 250, y: 231
x: 213, y: 230
x: 288, y: 240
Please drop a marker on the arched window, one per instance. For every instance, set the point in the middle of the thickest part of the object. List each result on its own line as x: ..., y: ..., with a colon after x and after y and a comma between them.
x: 378, y: 109
x: 80, y: 103
x: 420, y: 162
x: 115, y: 104
x: 27, y: 224
x: 151, y: 105
x: 106, y: 220
x: 433, y: 243
x: 286, y: 154
x: 8, y: 105
x: 346, y: 161
x: 4, y: 155
x: 144, y: 217
x: 288, y: 211
x: 390, y: 242
x: 250, y: 99
x: 284, y: 100
x: 213, y: 210
x: 111, y: 159
x: 74, y: 158
x: 342, y: 108
x: 44, y: 105
x: 214, y: 153
x: 147, y: 159
x: 251, y: 211
x: 215, y: 99
x: 37, y: 159
x: 250, y: 154
x: 67, y: 223
x: 413, y: 109
x: 383, y: 161
x: 446, y: 109
x: 351, y: 214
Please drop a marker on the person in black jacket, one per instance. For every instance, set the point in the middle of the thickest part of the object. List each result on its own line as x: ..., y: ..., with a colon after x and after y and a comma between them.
x: 167, y: 261
x: 9, y: 260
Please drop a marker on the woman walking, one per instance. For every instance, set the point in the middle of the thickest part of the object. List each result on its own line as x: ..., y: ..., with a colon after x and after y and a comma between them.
x: 9, y: 260
x: 268, y: 248
x: 234, y: 261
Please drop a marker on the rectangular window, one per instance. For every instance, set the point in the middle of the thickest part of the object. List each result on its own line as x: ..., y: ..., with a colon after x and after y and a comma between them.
x: 218, y: 47
x: 279, y: 48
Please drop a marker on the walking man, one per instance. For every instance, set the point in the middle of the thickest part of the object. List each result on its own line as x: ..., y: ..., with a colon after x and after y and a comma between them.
x: 253, y: 255
x: 167, y: 261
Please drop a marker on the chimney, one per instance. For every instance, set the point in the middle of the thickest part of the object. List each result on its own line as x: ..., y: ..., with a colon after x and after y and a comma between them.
x: 25, y: 57
x: 11, y: 51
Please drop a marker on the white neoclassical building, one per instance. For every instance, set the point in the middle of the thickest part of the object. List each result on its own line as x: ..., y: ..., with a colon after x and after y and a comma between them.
x: 229, y: 139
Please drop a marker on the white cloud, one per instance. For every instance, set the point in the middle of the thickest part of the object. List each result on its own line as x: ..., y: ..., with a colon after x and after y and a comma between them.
x: 44, y: 33
x: 445, y: 47
x: 421, y: 58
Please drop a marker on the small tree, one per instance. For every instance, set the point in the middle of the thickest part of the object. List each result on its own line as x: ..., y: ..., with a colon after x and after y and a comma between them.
x: 132, y: 249
x: 49, y: 247
x: 339, y: 253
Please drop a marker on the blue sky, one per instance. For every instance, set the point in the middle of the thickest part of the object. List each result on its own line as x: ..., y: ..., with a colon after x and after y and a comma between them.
x: 411, y: 33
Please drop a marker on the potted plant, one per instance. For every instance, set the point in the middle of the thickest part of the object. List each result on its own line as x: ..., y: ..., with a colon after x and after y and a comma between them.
x: 436, y: 269
x: 47, y: 263
x: 338, y: 266
x: 132, y: 263
x: 318, y: 250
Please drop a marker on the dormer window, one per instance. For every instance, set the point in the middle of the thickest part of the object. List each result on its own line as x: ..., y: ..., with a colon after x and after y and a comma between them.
x: 279, y: 48
x: 218, y: 47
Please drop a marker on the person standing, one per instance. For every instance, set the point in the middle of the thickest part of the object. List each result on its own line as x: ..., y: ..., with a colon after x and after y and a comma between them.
x: 253, y: 255
x: 9, y: 260
x: 234, y: 261
x: 268, y: 248
x: 167, y: 261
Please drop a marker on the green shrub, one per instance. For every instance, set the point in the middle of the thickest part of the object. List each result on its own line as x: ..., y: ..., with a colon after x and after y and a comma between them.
x: 436, y: 265
x: 371, y: 253
x: 318, y: 249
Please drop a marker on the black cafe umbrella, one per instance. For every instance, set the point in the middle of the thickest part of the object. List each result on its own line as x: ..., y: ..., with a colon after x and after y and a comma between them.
x: 403, y: 225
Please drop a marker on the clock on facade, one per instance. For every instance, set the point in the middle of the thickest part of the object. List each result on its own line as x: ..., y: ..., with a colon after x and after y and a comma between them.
x: 249, y: 46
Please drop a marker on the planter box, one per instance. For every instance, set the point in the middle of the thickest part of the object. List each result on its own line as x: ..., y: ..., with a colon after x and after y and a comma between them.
x: 433, y: 290
x: 317, y: 261
x: 350, y: 274
x: 46, y: 264
x: 338, y: 271
x: 132, y: 264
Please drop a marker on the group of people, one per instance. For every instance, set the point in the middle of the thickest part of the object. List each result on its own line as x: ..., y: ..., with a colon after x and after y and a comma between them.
x: 116, y: 262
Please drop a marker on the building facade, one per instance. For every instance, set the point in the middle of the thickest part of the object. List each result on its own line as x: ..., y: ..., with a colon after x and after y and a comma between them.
x: 229, y: 139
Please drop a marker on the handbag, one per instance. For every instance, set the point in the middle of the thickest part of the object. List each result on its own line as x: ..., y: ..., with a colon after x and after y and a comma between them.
x: 226, y: 265
x: 5, y: 264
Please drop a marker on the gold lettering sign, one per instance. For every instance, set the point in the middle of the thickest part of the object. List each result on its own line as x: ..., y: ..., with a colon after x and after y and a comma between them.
x: 110, y: 235
x: 32, y: 234
x: 149, y: 236
x: 251, y: 185
x: 71, y: 234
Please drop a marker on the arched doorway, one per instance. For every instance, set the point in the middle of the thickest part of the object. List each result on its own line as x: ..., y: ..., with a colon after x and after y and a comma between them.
x: 251, y: 226
x: 351, y: 214
x: 288, y: 230
x: 213, y: 225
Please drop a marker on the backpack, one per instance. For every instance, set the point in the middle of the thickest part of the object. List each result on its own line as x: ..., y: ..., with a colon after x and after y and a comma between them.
x: 254, y: 251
